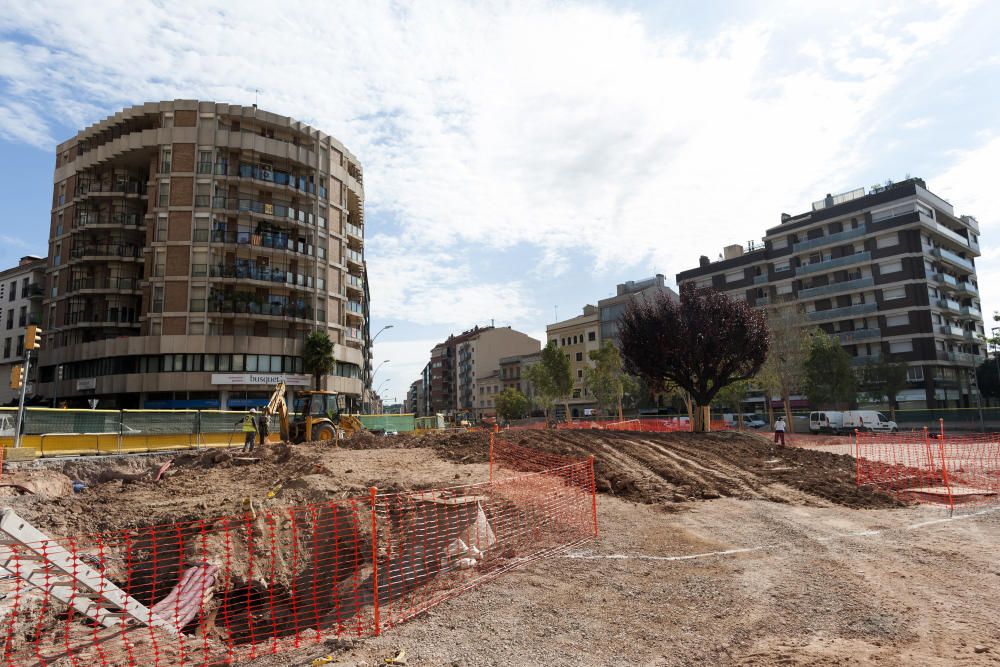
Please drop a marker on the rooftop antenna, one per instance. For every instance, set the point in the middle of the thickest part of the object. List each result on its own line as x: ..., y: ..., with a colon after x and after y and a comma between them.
x: 256, y: 93
x: 555, y: 312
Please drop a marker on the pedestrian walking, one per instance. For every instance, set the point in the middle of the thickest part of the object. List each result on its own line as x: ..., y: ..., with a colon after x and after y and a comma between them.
x: 263, y: 425
x: 779, y: 431
x: 249, y: 429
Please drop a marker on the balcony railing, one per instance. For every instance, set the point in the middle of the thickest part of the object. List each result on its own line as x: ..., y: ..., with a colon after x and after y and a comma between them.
x: 105, y: 317
x: 128, y: 251
x: 356, y: 282
x: 946, y: 279
x: 971, y: 311
x: 949, y: 256
x: 950, y: 304
x: 828, y: 264
x: 353, y: 256
x: 354, y: 307
x: 272, y: 274
x: 949, y: 330
x: 847, y: 285
x: 276, y: 240
x: 958, y: 357
x: 105, y: 283
x: 848, y: 337
x: 846, y: 311
x: 90, y: 218
x: 261, y: 173
x: 84, y: 187
x: 35, y: 291
x: 968, y: 288
x: 251, y: 307
x: 277, y: 209
x: 865, y: 359
x: 353, y: 230
x: 845, y: 235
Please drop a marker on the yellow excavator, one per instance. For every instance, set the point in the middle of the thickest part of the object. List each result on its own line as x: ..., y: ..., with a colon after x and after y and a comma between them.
x: 320, y: 416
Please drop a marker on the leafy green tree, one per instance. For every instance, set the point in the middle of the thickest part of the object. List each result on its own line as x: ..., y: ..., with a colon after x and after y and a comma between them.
x: 783, y: 374
x: 733, y: 395
x: 988, y: 380
x: 701, y: 343
x: 606, y: 378
x: 512, y: 404
x: 884, y: 380
x: 317, y: 357
x: 552, y: 378
x: 829, y: 378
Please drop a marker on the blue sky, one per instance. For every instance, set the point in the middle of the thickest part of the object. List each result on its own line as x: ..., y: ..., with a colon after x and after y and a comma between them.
x: 522, y: 157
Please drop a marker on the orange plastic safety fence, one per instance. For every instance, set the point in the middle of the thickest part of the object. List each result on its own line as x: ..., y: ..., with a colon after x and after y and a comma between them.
x: 217, y: 591
x: 952, y: 470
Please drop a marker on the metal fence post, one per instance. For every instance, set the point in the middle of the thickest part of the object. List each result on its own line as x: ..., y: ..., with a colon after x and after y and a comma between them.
x: 197, y: 429
x: 378, y: 628
x: 593, y: 492
x: 491, y: 457
x: 121, y: 431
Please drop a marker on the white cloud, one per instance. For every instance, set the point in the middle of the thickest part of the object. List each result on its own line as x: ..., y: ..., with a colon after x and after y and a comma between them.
x: 970, y: 183
x: 917, y: 123
x: 20, y: 122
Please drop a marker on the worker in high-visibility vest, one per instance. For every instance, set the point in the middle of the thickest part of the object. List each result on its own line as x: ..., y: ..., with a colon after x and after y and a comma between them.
x: 249, y: 429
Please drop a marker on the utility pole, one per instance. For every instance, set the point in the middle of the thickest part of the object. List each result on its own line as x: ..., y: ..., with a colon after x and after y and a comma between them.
x: 32, y: 341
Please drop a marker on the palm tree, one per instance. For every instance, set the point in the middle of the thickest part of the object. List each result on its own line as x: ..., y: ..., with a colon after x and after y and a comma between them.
x: 317, y: 357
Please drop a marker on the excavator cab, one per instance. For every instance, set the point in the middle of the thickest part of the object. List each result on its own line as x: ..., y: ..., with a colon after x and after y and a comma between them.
x: 317, y: 415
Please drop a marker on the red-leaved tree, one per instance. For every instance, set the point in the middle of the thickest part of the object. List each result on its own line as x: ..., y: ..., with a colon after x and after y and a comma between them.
x: 701, y: 343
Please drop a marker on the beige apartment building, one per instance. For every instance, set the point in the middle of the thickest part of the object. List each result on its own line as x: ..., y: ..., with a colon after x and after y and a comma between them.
x: 477, y: 374
x: 193, y: 247
x: 21, y: 291
x: 576, y: 338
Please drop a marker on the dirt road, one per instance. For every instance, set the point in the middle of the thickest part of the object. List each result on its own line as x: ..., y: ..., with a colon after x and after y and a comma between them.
x: 728, y: 582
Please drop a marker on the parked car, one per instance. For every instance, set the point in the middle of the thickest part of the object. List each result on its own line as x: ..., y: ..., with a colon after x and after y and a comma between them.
x: 826, y: 422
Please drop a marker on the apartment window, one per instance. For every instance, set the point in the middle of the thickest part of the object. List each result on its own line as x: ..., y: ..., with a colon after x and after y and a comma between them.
x: 887, y: 240
x: 6, y: 348
x: 703, y: 283
x: 22, y: 318
x: 893, y: 293
x: 579, y: 374
x: 165, y: 161
x: 158, y: 299
x: 62, y: 193
x: 204, y: 162
x: 579, y: 356
x: 13, y: 291
x: 915, y: 374
x: 164, y: 194
x: 59, y: 224
x: 890, y: 267
x: 591, y: 336
x: 897, y: 320
x: 10, y: 318
x: 20, y: 345
x: 161, y: 228
x: 24, y: 287
x: 197, y: 299
x: 160, y: 263
x: 901, y: 346
x: 782, y: 266
x: 734, y: 276
x: 779, y: 243
x: 57, y: 256
x: 783, y: 289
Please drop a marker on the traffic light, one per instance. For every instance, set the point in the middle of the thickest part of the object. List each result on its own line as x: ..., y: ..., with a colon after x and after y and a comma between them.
x: 32, y: 338
x: 16, y: 377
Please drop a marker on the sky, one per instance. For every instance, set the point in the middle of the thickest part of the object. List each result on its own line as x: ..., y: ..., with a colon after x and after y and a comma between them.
x: 523, y: 158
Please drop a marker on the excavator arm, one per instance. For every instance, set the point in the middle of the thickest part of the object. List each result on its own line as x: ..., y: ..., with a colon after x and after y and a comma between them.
x: 278, y: 406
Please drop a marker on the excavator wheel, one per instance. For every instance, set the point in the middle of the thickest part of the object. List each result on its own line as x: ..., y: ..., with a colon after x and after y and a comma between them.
x: 324, y: 432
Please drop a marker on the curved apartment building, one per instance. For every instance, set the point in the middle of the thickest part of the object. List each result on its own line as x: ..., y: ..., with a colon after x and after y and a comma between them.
x: 193, y: 247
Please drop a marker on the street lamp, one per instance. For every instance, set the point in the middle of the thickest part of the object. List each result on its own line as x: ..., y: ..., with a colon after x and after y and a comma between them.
x: 375, y: 372
x: 388, y: 326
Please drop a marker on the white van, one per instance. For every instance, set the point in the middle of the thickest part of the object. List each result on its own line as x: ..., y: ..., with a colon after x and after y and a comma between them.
x: 868, y: 420
x: 826, y: 422
x: 832, y: 421
x: 749, y: 421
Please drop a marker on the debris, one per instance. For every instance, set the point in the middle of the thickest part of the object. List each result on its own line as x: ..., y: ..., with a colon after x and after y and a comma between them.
x: 981, y: 649
x: 325, y: 660
x: 398, y: 659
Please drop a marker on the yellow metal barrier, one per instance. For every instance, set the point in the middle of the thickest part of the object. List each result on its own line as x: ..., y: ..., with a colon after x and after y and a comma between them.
x: 107, y: 443
x: 69, y: 444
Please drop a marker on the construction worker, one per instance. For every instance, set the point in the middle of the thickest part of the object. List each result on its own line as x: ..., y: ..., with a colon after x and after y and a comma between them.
x: 263, y: 425
x: 249, y: 429
x: 779, y: 431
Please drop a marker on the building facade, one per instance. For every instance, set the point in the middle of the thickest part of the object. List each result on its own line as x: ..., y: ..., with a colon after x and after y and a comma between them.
x: 612, y: 308
x: 889, y: 272
x: 193, y: 247
x: 576, y: 338
x: 479, y: 362
x: 21, y: 290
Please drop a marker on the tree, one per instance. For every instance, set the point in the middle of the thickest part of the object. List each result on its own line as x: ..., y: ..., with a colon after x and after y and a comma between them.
x: 988, y: 379
x: 552, y: 378
x: 700, y: 343
x: 733, y: 396
x: 829, y: 379
x: 884, y: 380
x: 512, y: 404
x: 783, y: 373
x: 317, y: 357
x: 606, y: 378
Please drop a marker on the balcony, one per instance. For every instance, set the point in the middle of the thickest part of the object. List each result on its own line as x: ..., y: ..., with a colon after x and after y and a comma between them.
x: 113, y: 284
x: 972, y: 311
x: 264, y: 273
x: 946, y: 279
x: 862, y: 360
x: 953, y: 258
x: 968, y: 288
x: 833, y: 288
x: 845, y: 235
x: 353, y: 256
x: 762, y: 301
x: 845, y: 312
x: 95, y: 218
x: 244, y: 204
x: 956, y: 357
x: 36, y: 291
x: 849, y: 337
x: 355, y: 283
x: 259, y: 307
x: 354, y: 230
x: 951, y: 330
x: 829, y: 264
x: 949, y: 304
x: 269, y: 175
x: 89, y: 187
x: 275, y: 240
x: 104, y: 252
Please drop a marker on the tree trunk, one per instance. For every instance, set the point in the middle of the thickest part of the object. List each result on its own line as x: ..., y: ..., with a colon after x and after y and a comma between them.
x: 770, y: 408
x: 702, y: 419
x: 690, y: 408
x: 569, y: 417
x: 739, y: 415
x: 620, y: 417
x: 316, y: 381
x: 788, y: 412
x: 892, y: 408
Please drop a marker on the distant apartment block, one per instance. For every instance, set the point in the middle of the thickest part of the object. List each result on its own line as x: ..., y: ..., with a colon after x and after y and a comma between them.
x: 21, y: 291
x: 889, y: 272
x: 458, y: 363
x: 580, y: 335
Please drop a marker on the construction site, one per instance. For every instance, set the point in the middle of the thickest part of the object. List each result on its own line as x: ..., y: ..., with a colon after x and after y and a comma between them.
x: 607, y: 544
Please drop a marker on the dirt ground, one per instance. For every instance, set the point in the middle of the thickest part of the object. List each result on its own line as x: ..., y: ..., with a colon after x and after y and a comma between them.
x: 714, y: 550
